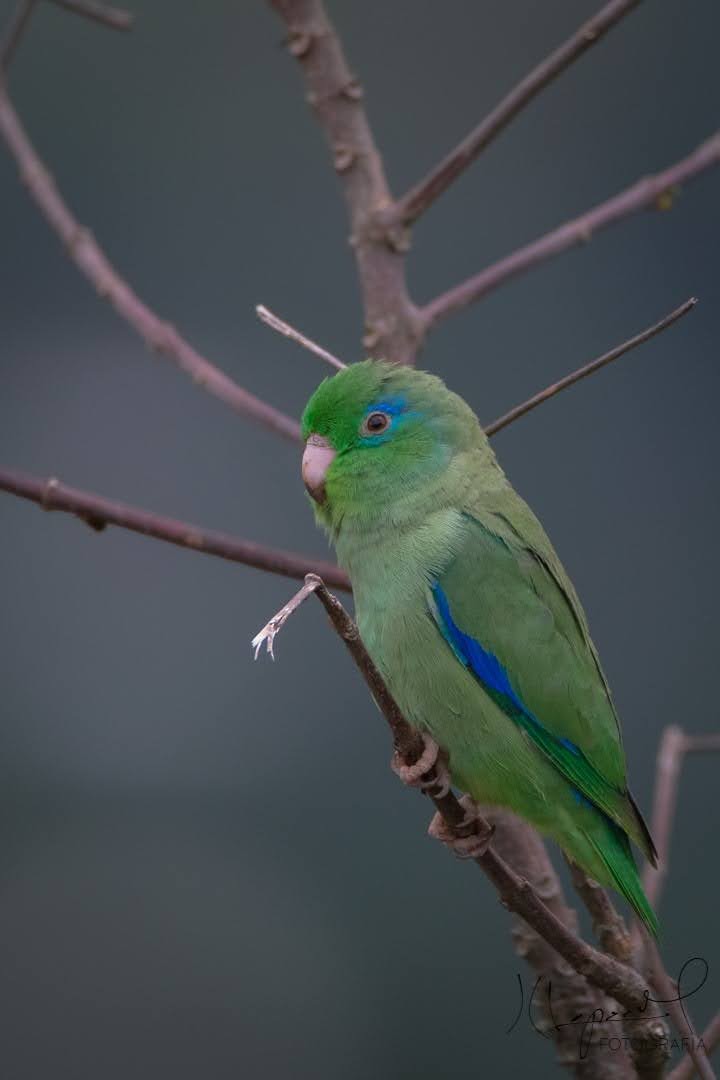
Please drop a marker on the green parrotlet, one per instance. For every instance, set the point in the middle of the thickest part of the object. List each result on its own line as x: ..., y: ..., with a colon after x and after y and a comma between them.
x: 468, y: 614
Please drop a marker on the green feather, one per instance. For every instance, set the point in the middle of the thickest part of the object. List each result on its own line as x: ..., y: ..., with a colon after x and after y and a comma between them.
x: 427, y: 504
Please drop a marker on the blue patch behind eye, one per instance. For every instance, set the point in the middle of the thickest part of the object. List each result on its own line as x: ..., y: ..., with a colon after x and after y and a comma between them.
x: 393, y: 406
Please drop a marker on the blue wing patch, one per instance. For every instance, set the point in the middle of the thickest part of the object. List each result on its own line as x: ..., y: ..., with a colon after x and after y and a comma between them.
x: 486, y: 666
x: 589, y: 788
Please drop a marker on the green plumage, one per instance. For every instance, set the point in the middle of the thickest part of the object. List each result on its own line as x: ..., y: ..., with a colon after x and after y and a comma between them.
x: 421, y: 514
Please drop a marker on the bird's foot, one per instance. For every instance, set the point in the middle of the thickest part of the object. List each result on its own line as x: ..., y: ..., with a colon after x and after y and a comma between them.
x: 470, y: 838
x: 429, y: 773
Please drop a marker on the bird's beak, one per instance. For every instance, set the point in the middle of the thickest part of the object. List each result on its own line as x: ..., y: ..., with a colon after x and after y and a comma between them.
x: 316, y: 461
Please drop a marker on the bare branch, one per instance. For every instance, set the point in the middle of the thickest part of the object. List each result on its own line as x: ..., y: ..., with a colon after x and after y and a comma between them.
x: 561, y: 991
x: 677, y: 1010
x: 674, y: 745
x: 84, y: 251
x: 267, y: 635
x: 409, y: 208
x: 608, y: 926
x: 516, y: 893
x: 589, y: 369
x: 14, y: 33
x: 702, y: 744
x: 393, y: 329
x: 647, y: 1035
x: 288, y: 331
x: 710, y: 1037
x: 667, y: 773
x: 115, y: 18
x: 645, y: 193
x: 99, y: 512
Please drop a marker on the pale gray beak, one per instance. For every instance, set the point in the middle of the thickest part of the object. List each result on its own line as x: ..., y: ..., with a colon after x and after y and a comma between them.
x: 315, y: 463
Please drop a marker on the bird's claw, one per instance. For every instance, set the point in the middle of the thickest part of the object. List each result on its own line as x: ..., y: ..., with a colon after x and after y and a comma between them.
x: 429, y: 773
x: 470, y: 838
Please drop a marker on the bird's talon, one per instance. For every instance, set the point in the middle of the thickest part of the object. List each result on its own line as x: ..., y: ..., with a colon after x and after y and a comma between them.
x: 470, y: 838
x: 426, y: 772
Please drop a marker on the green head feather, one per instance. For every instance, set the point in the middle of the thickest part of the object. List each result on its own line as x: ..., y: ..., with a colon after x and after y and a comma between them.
x: 396, y: 431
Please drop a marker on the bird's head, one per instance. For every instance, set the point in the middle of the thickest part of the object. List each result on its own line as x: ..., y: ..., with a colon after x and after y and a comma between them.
x: 376, y: 434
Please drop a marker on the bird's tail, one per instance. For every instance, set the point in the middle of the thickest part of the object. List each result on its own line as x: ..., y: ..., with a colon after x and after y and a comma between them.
x: 616, y: 856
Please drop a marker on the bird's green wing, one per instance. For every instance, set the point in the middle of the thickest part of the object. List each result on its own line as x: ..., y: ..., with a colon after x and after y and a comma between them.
x: 507, y: 609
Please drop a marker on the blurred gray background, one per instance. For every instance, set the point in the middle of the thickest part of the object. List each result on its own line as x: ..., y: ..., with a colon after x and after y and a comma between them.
x: 207, y: 867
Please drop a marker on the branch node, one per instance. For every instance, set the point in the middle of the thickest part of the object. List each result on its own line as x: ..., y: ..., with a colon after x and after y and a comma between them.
x: 343, y: 157
x: 666, y: 199
x: 299, y: 43
x: 97, y: 524
x: 50, y: 488
x: 353, y: 90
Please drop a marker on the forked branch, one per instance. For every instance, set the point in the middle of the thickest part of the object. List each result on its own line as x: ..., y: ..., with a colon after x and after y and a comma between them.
x: 99, y: 511
x: 674, y: 746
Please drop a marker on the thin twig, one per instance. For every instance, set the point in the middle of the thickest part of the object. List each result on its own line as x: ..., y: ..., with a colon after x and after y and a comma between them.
x: 608, y: 925
x: 99, y: 512
x: 648, y: 192
x: 516, y: 893
x: 647, y: 1036
x: 670, y: 997
x: 589, y: 369
x: 702, y: 744
x: 671, y: 752
x: 560, y: 991
x: 94, y: 264
x: 115, y: 18
x: 393, y: 330
x: 274, y: 321
x: 13, y: 35
x: 409, y: 208
x: 674, y: 745
x: 267, y: 635
x: 710, y: 1039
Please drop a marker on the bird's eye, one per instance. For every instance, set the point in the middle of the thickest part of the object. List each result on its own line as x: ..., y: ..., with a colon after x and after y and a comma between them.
x: 375, y: 423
